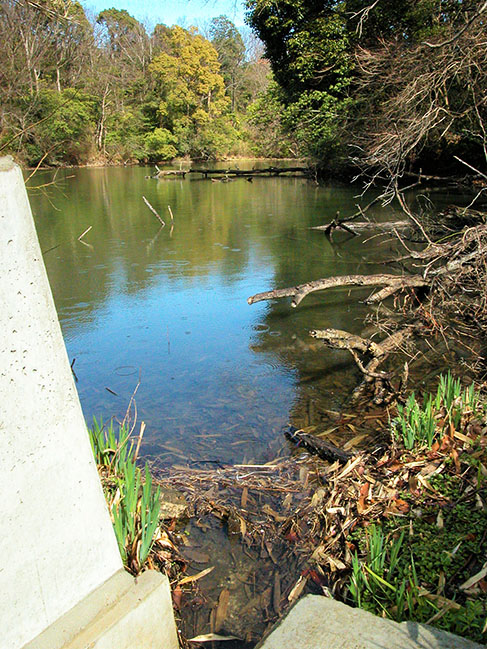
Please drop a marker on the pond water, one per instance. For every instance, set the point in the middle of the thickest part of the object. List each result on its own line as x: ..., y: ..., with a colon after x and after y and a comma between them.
x: 219, y: 379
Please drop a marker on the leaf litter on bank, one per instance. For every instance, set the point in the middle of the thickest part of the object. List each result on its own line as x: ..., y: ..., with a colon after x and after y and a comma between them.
x: 290, y: 527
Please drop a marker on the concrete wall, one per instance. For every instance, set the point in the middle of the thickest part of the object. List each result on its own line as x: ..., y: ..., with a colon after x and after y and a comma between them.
x: 56, y: 543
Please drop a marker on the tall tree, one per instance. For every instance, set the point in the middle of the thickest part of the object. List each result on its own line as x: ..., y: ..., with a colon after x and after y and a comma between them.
x: 228, y: 42
x: 191, y: 87
x: 309, y: 48
x: 126, y: 38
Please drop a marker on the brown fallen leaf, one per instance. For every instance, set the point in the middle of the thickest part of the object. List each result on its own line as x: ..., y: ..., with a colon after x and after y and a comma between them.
x: 213, y: 637
x: 397, y: 507
x: 199, y: 575
x: 297, y: 589
x: 267, y: 509
x: 475, y: 578
x: 287, y: 501
x: 177, y: 594
x: 243, y: 527
x: 243, y: 499
x: 222, y: 608
x: 364, y: 492
x: 454, y: 456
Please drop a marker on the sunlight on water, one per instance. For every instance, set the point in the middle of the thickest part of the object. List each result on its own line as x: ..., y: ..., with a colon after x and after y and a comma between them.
x: 219, y: 379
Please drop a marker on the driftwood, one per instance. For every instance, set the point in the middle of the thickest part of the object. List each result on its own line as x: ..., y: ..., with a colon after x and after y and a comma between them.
x: 345, y: 340
x: 249, y: 173
x: 164, y: 173
x: 391, y: 283
x: 316, y: 445
x: 379, y: 351
x: 153, y: 211
x: 368, y: 226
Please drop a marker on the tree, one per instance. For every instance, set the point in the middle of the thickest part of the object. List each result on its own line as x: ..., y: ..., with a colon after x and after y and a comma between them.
x: 191, y: 88
x: 309, y: 48
x: 306, y: 42
x: 161, y: 39
x: 121, y: 78
x: 425, y: 101
x: 42, y: 46
x: 267, y: 134
x: 126, y: 38
x: 228, y: 42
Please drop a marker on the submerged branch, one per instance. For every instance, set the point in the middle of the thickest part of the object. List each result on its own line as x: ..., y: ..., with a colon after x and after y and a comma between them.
x: 153, y: 210
x: 314, y: 444
x: 367, y: 226
x: 339, y: 339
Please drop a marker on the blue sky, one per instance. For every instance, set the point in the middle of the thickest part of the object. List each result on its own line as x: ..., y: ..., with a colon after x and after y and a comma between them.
x: 170, y: 12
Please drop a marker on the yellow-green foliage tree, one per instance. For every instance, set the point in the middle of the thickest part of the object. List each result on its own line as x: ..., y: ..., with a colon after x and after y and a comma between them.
x: 193, y: 103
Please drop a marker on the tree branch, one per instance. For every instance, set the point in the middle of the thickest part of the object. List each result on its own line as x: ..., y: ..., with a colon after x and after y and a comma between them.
x: 393, y: 282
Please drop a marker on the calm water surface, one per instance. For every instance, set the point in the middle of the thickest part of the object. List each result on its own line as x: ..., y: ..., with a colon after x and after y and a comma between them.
x: 219, y: 379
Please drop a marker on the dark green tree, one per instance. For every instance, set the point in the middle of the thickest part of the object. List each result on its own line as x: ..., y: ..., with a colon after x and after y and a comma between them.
x: 309, y: 48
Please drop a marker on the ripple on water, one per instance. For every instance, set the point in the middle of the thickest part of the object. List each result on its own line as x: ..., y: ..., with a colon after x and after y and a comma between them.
x: 261, y: 327
x: 125, y: 370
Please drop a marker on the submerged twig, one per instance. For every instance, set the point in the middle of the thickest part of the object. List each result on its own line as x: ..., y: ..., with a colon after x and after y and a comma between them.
x: 153, y: 210
x: 85, y: 232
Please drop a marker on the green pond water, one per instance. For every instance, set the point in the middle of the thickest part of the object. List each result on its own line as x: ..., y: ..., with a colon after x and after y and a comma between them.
x: 219, y: 379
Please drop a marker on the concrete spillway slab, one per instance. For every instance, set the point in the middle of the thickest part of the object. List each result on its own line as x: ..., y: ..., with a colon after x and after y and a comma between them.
x: 320, y: 623
x: 123, y: 613
x: 60, y: 543
x: 57, y: 545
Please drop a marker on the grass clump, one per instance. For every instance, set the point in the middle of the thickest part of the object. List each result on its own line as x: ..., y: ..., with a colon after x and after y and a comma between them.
x: 428, y: 565
x: 449, y: 410
x: 383, y: 582
x: 132, y: 501
x: 414, y: 572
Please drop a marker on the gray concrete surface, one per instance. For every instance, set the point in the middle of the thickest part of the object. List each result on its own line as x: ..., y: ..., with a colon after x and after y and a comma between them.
x: 320, y: 623
x: 57, y: 543
x: 121, y: 614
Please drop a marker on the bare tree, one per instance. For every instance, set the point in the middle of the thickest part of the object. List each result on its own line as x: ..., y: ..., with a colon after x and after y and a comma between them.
x: 433, y: 93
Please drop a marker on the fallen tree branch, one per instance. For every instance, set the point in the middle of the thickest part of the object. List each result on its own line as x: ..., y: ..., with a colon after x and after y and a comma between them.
x: 367, y: 226
x: 343, y: 340
x: 153, y: 210
x: 316, y: 445
x: 339, y: 339
x: 393, y: 283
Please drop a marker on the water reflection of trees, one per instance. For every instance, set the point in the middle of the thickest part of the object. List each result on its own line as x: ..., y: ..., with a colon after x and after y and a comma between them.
x: 222, y: 233
x: 209, y: 220
x: 326, y: 378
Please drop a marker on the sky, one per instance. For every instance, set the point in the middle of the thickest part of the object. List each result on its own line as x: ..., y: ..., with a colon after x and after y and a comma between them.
x: 171, y: 12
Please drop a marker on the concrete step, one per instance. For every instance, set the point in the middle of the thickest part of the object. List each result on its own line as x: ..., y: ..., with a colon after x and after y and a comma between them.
x: 317, y: 622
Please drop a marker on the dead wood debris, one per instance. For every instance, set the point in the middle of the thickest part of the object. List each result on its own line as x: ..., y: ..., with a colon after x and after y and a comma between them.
x: 364, y: 226
x: 443, y: 297
x: 391, y: 284
x: 291, y: 520
x: 324, y: 450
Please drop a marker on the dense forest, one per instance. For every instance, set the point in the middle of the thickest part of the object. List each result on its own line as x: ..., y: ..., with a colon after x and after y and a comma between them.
x: 382, y: 85
x: 75, y: 90
x: 378, y: 86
